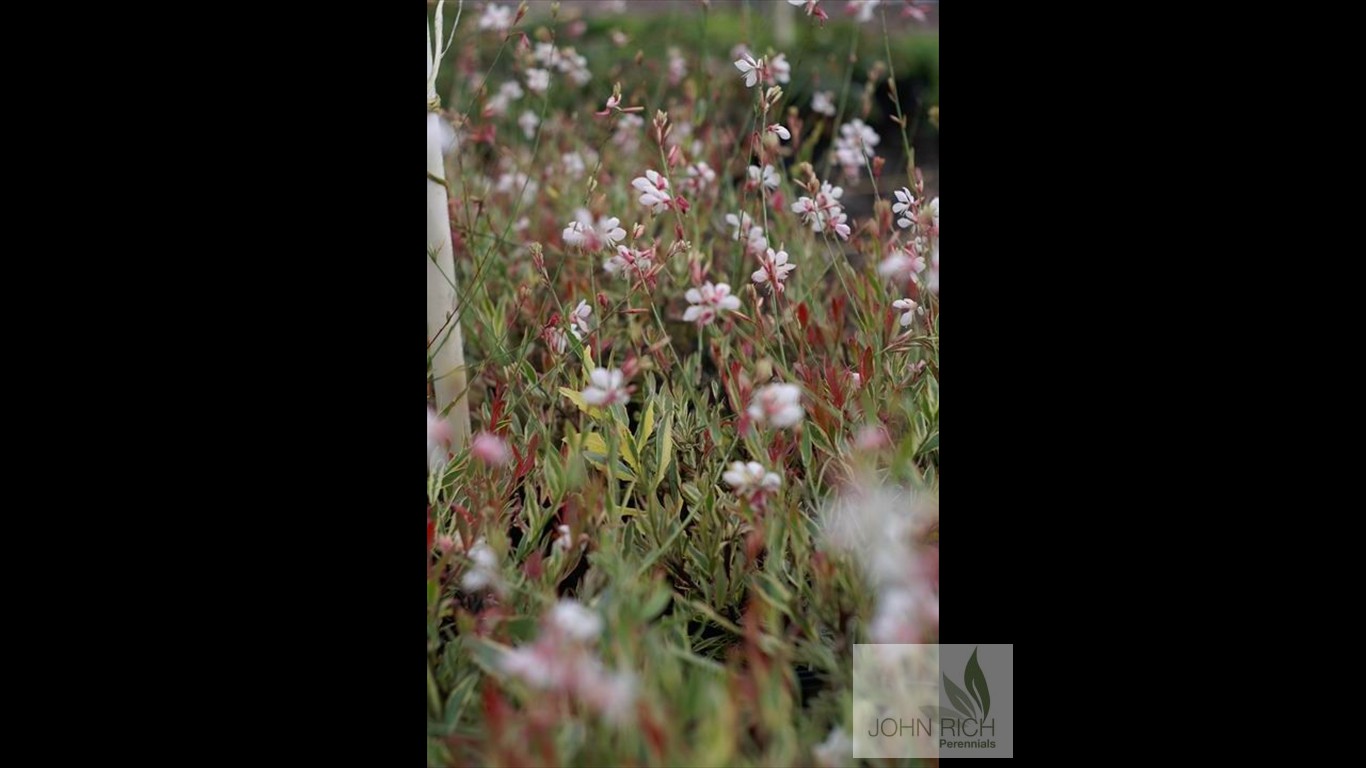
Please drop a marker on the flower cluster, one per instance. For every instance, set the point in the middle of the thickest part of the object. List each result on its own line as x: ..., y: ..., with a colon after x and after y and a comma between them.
x: 777, y: 405
x: 824, y: 212
x: 709, y: 301
x: 751, y: 481
x: 606, y: 388
x: 633, y: 263
x: 654, y: 191
x: 773, y: 270
x: 880, y: 529
x: 854, y: 146
x: 593, y: 236
x: 562, y: 660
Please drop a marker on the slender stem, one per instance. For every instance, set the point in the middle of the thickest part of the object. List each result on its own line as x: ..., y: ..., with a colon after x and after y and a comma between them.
x: 701, y: 354
x: 896, y: 100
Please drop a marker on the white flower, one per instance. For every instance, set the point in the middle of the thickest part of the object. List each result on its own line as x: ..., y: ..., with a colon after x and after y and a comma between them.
x: 901, y: 265
x: 708, y: 301
x: 565, y: 539
x: 779, y: 69
x: 537, y: 80
x: 751, y: 479
x: 528, y: 121
x: 782, y: 132
x: 750, y: 69
x: 612, y: 695
x: 562, y: 660
x: 558, y: 340
x: 823, y: 102
x: 934, y: 209
x: 490, y: 449
x: 533, y: 666
x: 909, y: 307
x: 573, y: 164
x: 777, y: 404
x: 574, y: 64
x: 739, y: 223
x: 839, y: 223
x: 774, y: 269
x: 576, y: 233
x: 627, y: 261
x: 606, y: 388
x: 580, y: 76
x: 496, y: 17
x: 545, y: 54
x: 701, y: 174
x: 769, y: 176
x: 904, y: 203
x: 482, y: 573
x: 512, y: 183
x: 507, y: 93
x: 654, y: 191
x: 578, y: 318
x: 861, y: 135
x: 878, y: 529
x: 865, y: 9
x: 582, y: 232
x: 855, y: 142
x: 627, y: 135
x: 757, y: 243
x: 678, y: 67
x: 810, y: 4
x: 898, y: 610
x: 576, y: 621
x: 824, y: 213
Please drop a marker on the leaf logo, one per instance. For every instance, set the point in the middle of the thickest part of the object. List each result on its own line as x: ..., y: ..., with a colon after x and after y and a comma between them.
x: 977, y: 694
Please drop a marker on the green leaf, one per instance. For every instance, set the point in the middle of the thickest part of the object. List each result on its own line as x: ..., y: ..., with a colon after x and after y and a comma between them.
x: 666, y: 449
x: 522, y: 629
x: 657, y: 603
x: 593, y: 443
x: 595, y: 453
x: 455, y: 703
x: 647, y: 425
x: 628, y: 447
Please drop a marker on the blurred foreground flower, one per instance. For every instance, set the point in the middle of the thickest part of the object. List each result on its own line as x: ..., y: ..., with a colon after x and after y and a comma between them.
x: 880, y: 530
x: 562, y: 661
x: 779, y: 405
x: 751, y: 481
x: 490, y: 449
